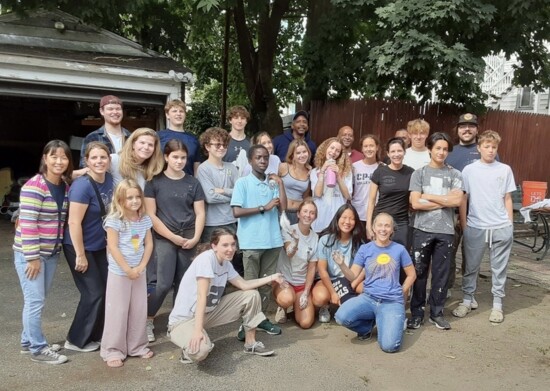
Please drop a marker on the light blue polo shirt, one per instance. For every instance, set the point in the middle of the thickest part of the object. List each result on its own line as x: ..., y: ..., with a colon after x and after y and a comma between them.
x: 259, y: 231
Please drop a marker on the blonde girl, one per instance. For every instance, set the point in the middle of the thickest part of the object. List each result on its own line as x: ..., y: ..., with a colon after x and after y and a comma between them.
x: 295, y: 176
x: 298, y: 263
x: 140, y: 158
x: 328, y: 199
x: 130, y: 244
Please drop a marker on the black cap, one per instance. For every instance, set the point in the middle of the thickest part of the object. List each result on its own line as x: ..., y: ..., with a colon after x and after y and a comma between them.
x: 467, y: 119
x: 301, y: 113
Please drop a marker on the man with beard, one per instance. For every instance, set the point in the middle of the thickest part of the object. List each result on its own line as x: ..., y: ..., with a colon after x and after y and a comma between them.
x: 464, y: 153
x: 112, y: 134
x: 298, y: 130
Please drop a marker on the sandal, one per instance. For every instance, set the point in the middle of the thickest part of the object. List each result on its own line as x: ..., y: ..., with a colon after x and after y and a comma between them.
x: 497, y: 316
x: 462, y: 310
x: 149, y: 354
x: 116, y: 363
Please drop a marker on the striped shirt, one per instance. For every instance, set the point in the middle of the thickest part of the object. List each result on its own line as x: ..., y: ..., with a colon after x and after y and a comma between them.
x: 40, y: 229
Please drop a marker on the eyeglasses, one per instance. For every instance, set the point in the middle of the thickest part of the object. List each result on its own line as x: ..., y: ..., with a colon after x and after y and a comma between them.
x: 218, y: 145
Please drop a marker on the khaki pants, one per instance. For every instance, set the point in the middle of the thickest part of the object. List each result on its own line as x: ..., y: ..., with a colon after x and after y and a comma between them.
x: 234, y: 306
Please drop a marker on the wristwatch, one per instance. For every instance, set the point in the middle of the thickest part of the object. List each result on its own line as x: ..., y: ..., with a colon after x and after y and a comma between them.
x: 262, y: 209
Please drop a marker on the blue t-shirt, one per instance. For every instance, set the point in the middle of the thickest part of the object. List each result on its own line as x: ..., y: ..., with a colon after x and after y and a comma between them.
x: 83, y: 192
x: 259, y: 231
x: 382, y: 267
x: 189, y: 140
x: 131, y: 238
x: 324, y: 252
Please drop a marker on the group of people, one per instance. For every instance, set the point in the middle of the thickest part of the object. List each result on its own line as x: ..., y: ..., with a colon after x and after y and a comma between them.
x: 315, y: 228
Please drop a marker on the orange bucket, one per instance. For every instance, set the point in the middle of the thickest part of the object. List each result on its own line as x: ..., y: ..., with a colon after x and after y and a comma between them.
x: 533, y: 192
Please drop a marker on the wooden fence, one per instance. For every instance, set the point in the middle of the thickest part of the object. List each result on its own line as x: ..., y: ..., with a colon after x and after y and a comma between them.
x: 525, y: 137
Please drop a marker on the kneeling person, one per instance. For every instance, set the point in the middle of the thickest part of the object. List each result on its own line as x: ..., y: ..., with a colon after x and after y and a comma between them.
x: 200, y: 305
x: 383, y: 299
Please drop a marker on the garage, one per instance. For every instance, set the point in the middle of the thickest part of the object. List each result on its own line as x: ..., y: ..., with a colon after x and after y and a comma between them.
x: 53, y: 71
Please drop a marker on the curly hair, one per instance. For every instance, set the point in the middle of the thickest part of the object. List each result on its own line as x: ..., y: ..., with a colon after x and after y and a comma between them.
x: 129, y: 167
x: 343, y: 162
x: 212, y: 134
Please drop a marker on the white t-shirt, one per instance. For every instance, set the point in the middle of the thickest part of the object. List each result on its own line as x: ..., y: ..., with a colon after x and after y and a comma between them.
x: 362, y: 174
x: 117, y: 176
x: 205, y: 265
x: 416, y: 159
x: 116, y: 140
x: 486, y: 185
x: 330, y: 201
x: 294, y: 270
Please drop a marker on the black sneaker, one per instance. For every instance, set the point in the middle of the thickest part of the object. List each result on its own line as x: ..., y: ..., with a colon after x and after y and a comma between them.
x: 440, y: 322
x: 415, y: 322
x: 364, y: 337
x: 241, y: 334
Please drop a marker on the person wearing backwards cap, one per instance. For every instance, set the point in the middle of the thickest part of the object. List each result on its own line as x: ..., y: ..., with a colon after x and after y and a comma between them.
x: 112, y: 134
x: 299, y: 129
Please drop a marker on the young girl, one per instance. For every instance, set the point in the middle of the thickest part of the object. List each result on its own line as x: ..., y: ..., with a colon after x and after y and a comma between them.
x: 175, y: 203
x: 297, y: 263
x: 362, y: 174
x: 37, y: 244
x: 263, y: 138
x: 130, y: 245
x: 295, y: 176
x: 330, y: 196
x: 342, y: 237
x: 383, y: 299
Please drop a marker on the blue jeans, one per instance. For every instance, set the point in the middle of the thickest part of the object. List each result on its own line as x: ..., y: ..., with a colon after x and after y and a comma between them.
x: 34, y: 298
x: 362, y: 312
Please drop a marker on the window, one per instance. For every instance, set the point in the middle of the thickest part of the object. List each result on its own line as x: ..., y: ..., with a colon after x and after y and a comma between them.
x: 525, y: 98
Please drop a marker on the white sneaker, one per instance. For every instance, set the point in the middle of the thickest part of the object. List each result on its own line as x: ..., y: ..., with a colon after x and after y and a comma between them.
x: 89, y: 347
x: 48, y: 356
x: 324, y: 314
x: 474, y: 304
x: 150, y: 327
x: 280, y: 315
x: 449, y: 294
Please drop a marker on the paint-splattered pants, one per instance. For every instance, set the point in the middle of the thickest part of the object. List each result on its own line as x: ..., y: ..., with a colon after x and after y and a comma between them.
x: 435, y: 249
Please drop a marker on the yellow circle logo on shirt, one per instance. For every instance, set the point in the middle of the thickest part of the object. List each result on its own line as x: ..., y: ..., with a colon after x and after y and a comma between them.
x: 383, y: 259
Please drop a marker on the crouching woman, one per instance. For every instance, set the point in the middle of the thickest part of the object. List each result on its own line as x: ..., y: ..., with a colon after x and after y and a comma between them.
x: 383, y: 299
x: 200, y: 305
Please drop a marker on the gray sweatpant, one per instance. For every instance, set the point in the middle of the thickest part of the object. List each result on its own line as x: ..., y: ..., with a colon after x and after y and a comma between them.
x: 476, y: 241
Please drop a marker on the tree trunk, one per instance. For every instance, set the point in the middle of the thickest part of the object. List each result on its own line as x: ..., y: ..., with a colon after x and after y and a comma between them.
x: 257, y: 63
x: 315, y: 89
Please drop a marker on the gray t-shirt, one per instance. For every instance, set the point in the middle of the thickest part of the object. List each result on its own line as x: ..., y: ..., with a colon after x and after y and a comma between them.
x: 175, y: 200
x: 436, y: 181
x: 218, y: 207
x: 234, y: 149
x: 486, y: 185
x: 204, y: 265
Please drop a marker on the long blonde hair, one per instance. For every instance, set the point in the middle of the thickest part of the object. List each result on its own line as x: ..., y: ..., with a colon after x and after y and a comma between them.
x: 119, y: 198
x: 129, y: 167
x: 343, y: 162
